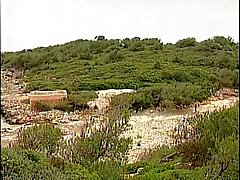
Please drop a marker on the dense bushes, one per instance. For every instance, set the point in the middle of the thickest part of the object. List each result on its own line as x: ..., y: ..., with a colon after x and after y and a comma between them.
x: 215, y: 143
x: 76, y: 101
x: 186, y: 42
x: 43, y: 138
x: 165, y: 75
x: 79, y: 100
x: 212, y: 154
x: 127, y: 63
x: 75, y: 172
x: 150, y: 167
x: 26, y: 164
x: 97, y: 152
x: 214, y: 151
x: 42, y: 106
x: 175, y: 95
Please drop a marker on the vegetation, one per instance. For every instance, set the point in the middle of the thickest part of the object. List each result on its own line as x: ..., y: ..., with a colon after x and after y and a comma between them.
x: 212, y: 153
x: 27, y: 164
x: 75, y: 101
x: 132, y: 63
x: 164, y: 75
x: 43, y: 138
x: 97, y: 153
x: 42, y: 106
x: 174, y: 95
x: 217, y: 135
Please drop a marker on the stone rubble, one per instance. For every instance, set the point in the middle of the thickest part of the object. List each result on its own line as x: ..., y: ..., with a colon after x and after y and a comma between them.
x: 18, y: 112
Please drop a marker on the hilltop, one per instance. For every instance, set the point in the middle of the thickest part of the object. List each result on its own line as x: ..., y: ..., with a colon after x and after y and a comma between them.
x: 127, y: 63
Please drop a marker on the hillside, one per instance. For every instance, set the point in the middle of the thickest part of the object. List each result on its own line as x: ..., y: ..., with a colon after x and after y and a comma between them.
x: 127, y: 63
x: 164, y: 74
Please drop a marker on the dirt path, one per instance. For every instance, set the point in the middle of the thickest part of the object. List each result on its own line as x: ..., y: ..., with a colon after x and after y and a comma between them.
x: 149, y: 131
x: 102, y: 101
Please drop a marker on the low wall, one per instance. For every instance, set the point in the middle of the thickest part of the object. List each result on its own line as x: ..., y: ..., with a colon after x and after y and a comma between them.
x: 50, y: 99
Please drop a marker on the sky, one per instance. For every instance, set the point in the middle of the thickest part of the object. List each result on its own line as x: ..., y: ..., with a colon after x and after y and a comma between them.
x: 27, y: 24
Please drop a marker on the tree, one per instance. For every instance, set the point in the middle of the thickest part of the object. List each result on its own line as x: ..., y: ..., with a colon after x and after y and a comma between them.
x: 186, y: 42
x: 226, y: 77
x: 135, y: 46
x: 100, y: 38
x: 223, y: 41
x: 136, y: 39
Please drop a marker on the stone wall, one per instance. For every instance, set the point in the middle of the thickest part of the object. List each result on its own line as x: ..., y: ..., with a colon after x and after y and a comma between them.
x: 47, y: 97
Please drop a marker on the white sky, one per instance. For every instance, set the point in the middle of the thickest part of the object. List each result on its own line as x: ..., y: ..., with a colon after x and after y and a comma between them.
x: 34, y: 23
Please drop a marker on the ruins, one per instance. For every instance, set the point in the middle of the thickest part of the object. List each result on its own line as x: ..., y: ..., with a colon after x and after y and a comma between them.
x: 51, y: 97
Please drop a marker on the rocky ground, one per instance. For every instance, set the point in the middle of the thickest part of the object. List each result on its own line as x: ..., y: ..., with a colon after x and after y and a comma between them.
x: 154, y: 129
x: 149, y: 128
x: 102, y: 102
x: 18, y: 113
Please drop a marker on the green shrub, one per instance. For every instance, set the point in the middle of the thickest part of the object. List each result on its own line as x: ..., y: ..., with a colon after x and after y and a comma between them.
x: 103, y: 143
x: 42, y: 106
x: 186, y: 42
x: 175, y: 174
x: 75, y: 172
x: 109, y: 169
x: 27, y: 164
x: 43, y: 138
x: 64, y: 106
x: 79, y: 100
x: 215, y: 142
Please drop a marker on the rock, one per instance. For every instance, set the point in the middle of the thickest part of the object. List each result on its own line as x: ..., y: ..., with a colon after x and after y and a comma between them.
x: 140, y: 170
x: 12, y: 121
x: 139, y: 143
x: 4, y: 130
